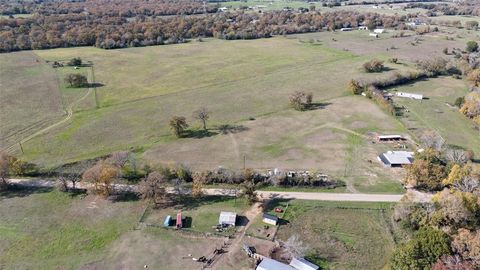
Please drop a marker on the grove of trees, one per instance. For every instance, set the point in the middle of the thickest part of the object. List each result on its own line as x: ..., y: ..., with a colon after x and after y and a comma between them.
x: 113, y: 24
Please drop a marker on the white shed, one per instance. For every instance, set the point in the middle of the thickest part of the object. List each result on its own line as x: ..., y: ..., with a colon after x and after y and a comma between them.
x: 410, y: 95
x: 270, y: 219
x: 227, y: 218
x: 379, y: 31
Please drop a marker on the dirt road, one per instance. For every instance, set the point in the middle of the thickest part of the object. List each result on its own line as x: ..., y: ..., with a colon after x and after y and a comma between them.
x: 317, y: 196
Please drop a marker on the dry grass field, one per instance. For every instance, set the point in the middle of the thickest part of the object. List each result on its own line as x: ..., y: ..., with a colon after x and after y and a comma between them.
x: 436, y: 113
x: 43, y: 229
x: 333, y: 240
x: 246, y: 84
x: 30, y: 97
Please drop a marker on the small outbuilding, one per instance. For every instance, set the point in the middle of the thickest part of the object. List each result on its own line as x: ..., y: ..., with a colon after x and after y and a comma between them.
x: 166, y: 222
x: 270, y: 219
x: 373, y: 35
x: 178, y: 221
x: 396, y: 158
x: 269, y: 264
x: 409, y: 95
x: 379, y: 31
x: 302, y: 264
x: 389, y: 138
x: 227, y: 218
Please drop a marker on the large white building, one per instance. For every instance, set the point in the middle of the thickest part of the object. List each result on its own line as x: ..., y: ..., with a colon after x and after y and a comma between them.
x: 396, y: 158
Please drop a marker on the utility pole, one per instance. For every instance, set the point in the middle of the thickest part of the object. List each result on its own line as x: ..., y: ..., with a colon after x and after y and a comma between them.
x: 94, y: 86
x: 21, y: 146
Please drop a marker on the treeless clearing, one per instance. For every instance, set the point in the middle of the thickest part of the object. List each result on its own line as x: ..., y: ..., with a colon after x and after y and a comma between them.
x: 30, y: 98
x: 334, y: 241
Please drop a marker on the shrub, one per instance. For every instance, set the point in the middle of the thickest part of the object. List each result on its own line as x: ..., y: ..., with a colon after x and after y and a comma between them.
x: 355, y: 87
x: 393, y: 60
x: 75, y: 62
x: 472, y: 46
x: 373, y: 66
x: 433, y: 66
x: 459, y: 102
x: 76, y: 80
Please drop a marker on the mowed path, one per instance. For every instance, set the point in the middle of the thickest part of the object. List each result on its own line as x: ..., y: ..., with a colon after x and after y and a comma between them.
x: 316, y: 196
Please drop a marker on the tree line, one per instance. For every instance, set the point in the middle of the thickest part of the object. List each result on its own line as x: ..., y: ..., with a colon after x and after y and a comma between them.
x: 121, y: 8
x: 112, y: 31
x: 446, y: 229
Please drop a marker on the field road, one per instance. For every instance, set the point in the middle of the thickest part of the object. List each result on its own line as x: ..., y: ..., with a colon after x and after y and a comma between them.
x: 316, y: 196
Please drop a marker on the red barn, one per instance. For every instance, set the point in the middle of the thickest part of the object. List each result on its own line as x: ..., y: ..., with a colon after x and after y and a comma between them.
x: 179, y: 220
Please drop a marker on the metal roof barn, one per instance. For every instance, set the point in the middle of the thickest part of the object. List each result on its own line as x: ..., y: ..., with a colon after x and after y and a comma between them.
x: 269, y: 264
x: 302, y: 264
x: 396, y: 158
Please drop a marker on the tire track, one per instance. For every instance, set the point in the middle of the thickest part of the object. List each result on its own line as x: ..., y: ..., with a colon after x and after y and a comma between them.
x: 70, y: 107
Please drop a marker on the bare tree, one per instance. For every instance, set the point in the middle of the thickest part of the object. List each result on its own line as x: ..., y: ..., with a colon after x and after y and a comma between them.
x: 457, y: 155
x: 295, y: 246
x: 432, y: 139
x: 203, y: 115
x: 119, y: 159
x: 153, y: 188
x: 101, y: 175
x: 199, y: 179
x: 468, y: 184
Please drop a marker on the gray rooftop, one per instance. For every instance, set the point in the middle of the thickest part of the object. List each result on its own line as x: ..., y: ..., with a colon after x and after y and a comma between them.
x: 269, y: 264
x: 397, y: 157
x: 302, y: 264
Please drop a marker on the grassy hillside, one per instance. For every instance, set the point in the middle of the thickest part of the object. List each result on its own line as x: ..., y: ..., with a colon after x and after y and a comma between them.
x: 29, y: 97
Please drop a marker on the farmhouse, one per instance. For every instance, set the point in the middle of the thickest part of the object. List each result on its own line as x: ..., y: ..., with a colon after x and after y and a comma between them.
x: 269, y: 264
x: 409, y: 95
x: 388, y: 138
x: 227, y: 218
x: 379, y: 31
x: 270, y: 219
x: 302, y: 264
x: 396, y: 158
x: 363, y: 28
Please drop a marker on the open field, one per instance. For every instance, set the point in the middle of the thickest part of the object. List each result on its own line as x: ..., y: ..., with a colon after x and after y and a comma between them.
x: 245, y: 84
x: 281, y: 4
x: 46, y: 229
x: 341, y: 235
x: 29, y: 98
x: 433, y: 113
